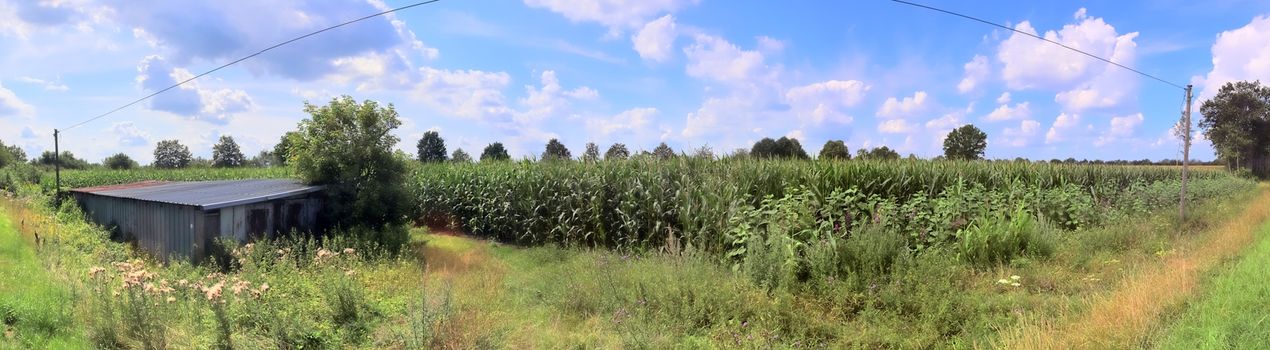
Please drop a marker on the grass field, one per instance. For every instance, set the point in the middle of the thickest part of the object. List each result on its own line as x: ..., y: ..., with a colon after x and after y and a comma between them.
x: 1232, y: 311
x: 715, y: 255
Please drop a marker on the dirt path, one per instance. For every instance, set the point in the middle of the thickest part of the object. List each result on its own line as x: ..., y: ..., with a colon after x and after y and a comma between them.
x: 1124, y: 317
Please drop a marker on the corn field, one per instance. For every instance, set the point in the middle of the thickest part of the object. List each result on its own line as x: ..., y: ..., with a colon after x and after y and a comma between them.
x: 698, y: 204
x: 102, y: 177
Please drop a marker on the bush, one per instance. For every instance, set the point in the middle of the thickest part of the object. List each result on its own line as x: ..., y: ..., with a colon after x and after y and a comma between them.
x: 1001, y: 238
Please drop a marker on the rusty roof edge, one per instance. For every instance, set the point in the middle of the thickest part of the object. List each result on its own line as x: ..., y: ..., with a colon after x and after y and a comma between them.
x: 271, y: 196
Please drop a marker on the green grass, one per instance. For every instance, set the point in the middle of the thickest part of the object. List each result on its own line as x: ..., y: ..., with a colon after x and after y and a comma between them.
x: 1233, y: 312
x: 36, y: 310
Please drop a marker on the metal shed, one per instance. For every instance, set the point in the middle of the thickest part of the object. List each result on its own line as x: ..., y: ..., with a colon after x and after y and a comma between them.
x: 183, y: 218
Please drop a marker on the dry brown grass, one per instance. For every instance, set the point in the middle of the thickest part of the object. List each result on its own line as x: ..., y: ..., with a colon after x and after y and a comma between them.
x: 1123, y: 317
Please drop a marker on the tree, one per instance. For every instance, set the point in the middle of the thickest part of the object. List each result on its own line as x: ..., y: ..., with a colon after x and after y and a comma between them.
x: 878, y: 153
x: 556, y: 151
x: 9, y: 156
x: 171, y: 154
x: 785, y: 147
x: 431, y: 148
x: 663, y: 151
x: 460, y: 156
x: 835, y: 150
x: 495, y: 152
x: 965, y: 143
x: 348, y: 148
x: 120, y: 161
x: 617, y: 152
x: 703, y: 152
x: 282, y: 151
x: 264, y: 159
x: 1237, y: 122
x: 592, y: 153
x: 67, y: 160
x: 225, y: 154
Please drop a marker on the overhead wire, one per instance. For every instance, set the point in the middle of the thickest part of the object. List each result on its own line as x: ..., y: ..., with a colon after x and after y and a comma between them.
x: 976, y: 19
x: 244, y: 58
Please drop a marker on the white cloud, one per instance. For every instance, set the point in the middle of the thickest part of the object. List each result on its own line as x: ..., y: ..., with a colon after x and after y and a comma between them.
x: 1022, y: 135
x: 188, y: 100
x: 223, y: 30
x: 617, y: 15
x: 1063, y: 124
x: 1121, y: 129
x: 711, y: 57
x: 548, y: 100
x: 895, y: 126
x: 1005, y: 112
x: 631, y: 120
x: 976, y: 72
x: 826, y: 100
x: 1004, y: 98
x: 1239, y: 54
x: 11, y: 105
x: 770, y: 45
x: 46, y: 84
x: 129, y: 135
x: 655, y: 42
x: 20, y: 19
x: 1084, y: 83
x: 706, y: 119
x: 468, y: 94
x: 896, y: 108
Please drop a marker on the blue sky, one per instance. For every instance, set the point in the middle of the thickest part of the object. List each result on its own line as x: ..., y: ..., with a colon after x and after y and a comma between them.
x: 690, y: 73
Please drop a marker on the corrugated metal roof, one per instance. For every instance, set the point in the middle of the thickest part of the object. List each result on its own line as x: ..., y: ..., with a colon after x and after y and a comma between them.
x: 205, y: 194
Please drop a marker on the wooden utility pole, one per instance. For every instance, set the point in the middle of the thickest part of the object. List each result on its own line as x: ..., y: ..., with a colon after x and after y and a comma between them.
x: 1186, y: 152
x: 57, y: 166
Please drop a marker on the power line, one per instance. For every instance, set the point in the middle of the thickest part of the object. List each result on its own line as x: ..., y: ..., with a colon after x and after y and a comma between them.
x: 421, y: 3
x: 1040, y: 38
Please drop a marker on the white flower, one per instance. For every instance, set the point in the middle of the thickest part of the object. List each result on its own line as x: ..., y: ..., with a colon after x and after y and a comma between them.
x: 1015, y: 277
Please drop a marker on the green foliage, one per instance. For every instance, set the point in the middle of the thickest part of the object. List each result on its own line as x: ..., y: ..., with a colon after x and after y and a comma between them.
x: 431, y: 148
x: 965, y: 143
x: 592, y: 153
x: 556, y: 151
x: 1231, y: 311
x: 785, y: 147
x: 282, y: 151
x: 171, y: 154
x: 226, y: 154
x: 11, y: 154
x: 1237, y: 121
x: 120, y: 161
x: 877, y: 153
x: 264, y: 159
x: 495, y: 152
x: 835, y: 150
x: 348, y: 147
x: 617, y: 151
x: 1001, y: 238
x: 67, y: 160
x: 460, y: 156
x: 663, y: 151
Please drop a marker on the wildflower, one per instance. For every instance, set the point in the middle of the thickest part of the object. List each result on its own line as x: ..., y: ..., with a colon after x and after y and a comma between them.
x: 171, y: 299
x: 182, y: 283
x: 214, y: 292
x: 239, y: 286
x: 349, y: 251
x: 1003, y: 281
x: 1016, y: 284
x: 349, y: 272
x: 96, y: 270
x: 1015, y: 277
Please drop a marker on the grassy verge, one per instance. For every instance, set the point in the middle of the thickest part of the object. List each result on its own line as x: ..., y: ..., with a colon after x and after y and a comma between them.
x: 1233, y: 312
x: 36, y: 310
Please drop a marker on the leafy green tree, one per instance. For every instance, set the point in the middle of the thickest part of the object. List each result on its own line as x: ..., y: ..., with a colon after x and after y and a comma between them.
x: 592, y: 153
x: 617, y: 151
x: 348, y: 148
x: 835, y: 150
x: 7, y: 156
x: 431, y: 148
x: 1237, y: 122
x: 226, y: 154
x: 785, y: 147
x: 663, y: 151
x: 556, y: 151
x: 120, y: 161
x: 460, y: 156
x: 264, y: 159
x: 965, y: 143
x: 703, y: 152
x: 67, y: 159
x: 878, y: 153
x: 282, y: 151
x: 171, y: 154
x: 495, y: 152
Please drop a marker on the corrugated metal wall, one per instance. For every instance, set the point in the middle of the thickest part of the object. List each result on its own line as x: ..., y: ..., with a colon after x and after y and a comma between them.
x: 165, y: 230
